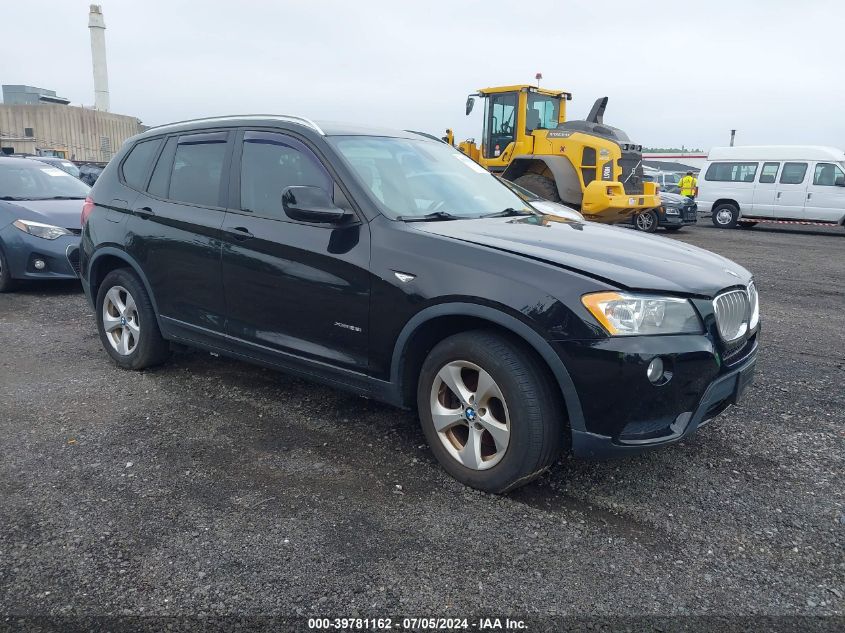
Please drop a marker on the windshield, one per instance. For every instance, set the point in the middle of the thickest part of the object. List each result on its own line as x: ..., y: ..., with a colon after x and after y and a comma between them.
x: 18, y: 182
x: 69, y: 167
x: 411, y: 178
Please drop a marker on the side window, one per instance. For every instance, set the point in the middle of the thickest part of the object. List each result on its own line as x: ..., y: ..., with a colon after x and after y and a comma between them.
x: 136, y: 165
x: 198, y: 169
x: 828, y: 175
x: 769, y: 173
x: 793, y: 173
x: 160, y: 180
x: 271, y: 162
x: 731, y: 172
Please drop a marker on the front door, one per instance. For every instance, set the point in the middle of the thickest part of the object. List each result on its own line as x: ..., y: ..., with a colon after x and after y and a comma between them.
x: 175, y: 233
x: 293, y: 287
x: 791, y: 192
x: 500, y: 121
x: 826, y: 194
x: 765, y: 190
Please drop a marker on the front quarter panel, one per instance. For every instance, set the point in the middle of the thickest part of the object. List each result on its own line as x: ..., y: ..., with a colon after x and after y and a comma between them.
x: 448, y: 270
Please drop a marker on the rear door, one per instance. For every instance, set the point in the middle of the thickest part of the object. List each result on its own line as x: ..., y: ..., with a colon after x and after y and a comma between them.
x: 826, y: 194
x: 175, y: 231
x: 765, y: 191
x: 791, y: 191
x: 293, y: 287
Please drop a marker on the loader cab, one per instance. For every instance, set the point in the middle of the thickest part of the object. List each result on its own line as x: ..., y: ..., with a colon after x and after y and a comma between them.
x: 511, y: 115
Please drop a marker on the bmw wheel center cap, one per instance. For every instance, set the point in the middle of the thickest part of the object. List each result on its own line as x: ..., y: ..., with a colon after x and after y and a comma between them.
x: 470, y: 414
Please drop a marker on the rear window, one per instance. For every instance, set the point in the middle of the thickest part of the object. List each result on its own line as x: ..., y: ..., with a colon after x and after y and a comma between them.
x: 731, y: 172
x: 793, y: 173
x: 136, y: 165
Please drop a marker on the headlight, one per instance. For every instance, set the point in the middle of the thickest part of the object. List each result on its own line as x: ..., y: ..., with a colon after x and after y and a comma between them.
x: 755, y: 306
x: 673, y: 211
x: 47, y: 231
x: 624, y: 314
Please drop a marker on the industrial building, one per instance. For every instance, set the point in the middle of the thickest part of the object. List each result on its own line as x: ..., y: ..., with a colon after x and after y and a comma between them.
x: 80, y: 134
x: 37, y: 121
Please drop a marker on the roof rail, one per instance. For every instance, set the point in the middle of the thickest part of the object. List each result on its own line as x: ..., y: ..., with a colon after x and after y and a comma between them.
x: 281, y: 117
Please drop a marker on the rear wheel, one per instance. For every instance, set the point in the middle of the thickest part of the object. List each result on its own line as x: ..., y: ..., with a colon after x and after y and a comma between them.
x: 490, y: 412
x: 127, y: 323
x: 540, y: 185
x: 7, y: 284
x: 646, y: 221
x: 725, y: 216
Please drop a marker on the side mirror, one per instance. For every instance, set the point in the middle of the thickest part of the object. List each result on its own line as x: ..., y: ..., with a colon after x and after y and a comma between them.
x: 470, y: 104
x: 311, y: 204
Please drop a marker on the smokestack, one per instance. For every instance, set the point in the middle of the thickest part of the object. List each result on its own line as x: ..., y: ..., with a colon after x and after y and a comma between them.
x: 97, y: 27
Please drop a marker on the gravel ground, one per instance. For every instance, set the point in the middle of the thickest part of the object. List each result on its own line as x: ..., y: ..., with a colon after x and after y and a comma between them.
x: 212, y: 487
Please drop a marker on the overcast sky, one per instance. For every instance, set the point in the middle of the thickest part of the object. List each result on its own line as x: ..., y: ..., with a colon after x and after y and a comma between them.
x: 677, y: 73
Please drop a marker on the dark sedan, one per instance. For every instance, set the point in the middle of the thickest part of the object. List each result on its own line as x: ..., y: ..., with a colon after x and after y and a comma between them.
x: 40, y: 210
x: 674, y: 212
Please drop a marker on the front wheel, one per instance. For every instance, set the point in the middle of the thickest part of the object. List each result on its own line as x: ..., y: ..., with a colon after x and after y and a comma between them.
x: 7, y: 284
x: 725, y: 216
x: 646, y: 221
x: 539, y: 185
x: 492, y: 415
x: 127, y: 322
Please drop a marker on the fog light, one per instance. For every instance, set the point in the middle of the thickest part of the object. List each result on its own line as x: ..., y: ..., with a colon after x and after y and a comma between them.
x: 655, y: 370
x: 39, y: 264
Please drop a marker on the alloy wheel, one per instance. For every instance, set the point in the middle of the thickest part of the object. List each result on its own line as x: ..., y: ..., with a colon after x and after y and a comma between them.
x: 645, y: 221
x: 470, y: 415
x: 120, y: 320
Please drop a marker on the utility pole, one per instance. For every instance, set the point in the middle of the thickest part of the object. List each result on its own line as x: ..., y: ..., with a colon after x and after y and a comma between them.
x: 733, y: 136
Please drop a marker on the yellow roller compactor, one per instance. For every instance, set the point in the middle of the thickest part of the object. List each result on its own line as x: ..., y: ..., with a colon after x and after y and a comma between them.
x: 586, y: 164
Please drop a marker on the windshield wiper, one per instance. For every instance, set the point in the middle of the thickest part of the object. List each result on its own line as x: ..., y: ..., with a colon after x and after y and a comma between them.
x: 63, y: 198
x: 506, y: 213
x: 12, y: 198
x: 429, y: 217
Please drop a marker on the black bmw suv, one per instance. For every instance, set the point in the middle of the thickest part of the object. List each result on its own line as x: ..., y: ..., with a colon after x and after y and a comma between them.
x: 391, y: 265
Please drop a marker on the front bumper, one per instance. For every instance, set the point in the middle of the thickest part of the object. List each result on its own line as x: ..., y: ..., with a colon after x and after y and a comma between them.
x: 625, y: 414
x: 606, y: 201
x: 61, y: 256
x: 685, y: 216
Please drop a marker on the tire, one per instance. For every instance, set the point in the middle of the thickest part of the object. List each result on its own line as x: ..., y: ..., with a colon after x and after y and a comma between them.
x: 646, y: 221
x: 725, y: 216
x: 133, y: 340
x: 673, y: 229
x: 539, y: 185
x: 522, y: 406
x: 7, y: 284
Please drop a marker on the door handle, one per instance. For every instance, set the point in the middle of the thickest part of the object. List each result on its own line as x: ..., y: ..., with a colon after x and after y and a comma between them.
x: 809, y: 195
x: 144, y: 212
x: 778, y: 196
x: 240, y: 233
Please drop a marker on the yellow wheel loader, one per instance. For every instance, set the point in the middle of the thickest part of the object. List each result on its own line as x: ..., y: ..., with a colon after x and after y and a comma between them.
x: 585, y: 164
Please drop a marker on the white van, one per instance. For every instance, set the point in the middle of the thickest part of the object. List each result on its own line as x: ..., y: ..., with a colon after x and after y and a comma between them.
x: 773, y: 182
